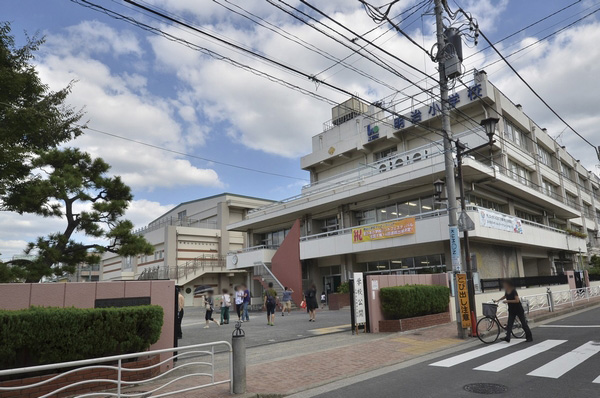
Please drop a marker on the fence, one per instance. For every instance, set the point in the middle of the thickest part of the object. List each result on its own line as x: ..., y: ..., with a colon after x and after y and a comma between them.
x: 496, y: 284
x: 551, y: 301
x: 197, y: 266
x: 95, y: 366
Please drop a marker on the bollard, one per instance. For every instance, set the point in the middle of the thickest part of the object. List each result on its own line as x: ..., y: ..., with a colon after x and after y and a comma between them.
x: 238, y: 360
x: 550, y: 299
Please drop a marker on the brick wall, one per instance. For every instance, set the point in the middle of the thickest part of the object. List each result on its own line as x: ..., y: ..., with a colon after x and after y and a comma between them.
x: 402, y: 325
x: 338, y: 301
x: 85, y: 374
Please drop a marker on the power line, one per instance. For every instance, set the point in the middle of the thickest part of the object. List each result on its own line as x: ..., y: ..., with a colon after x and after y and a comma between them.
x: 190, y: 155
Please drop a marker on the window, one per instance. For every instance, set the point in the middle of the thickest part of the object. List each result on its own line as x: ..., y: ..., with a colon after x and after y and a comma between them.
x: 572, y: 201
x: 329, y: 224
x: 366, y: 217
x: 549, y: 189
x: 587, y: 211
x: 519, y: 173
x: 386, y: 153
x: 387, y: 213
x: 523, y: 215
x: 544, y: 156
x: 565, y: 170
x: 488, y: 204
x: 516, y: 135
x: 181, y: 215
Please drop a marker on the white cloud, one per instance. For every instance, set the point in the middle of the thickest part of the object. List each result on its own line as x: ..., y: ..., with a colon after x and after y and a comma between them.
x: 121, y: 104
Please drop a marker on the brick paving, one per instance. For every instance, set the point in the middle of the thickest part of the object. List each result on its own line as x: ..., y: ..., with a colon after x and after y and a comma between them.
x: 352, y: 355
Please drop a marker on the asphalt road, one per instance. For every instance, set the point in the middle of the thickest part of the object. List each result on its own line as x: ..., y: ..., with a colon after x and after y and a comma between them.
x: 563, y: 361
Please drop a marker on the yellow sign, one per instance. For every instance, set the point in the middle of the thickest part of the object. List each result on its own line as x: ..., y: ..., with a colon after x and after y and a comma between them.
x: 463, y: 297
x: 385, y: 230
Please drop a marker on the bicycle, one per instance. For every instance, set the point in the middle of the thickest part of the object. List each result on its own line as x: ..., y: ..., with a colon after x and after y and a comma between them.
x: 488, y: 327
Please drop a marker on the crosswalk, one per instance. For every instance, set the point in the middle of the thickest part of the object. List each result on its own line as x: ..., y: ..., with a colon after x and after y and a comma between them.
x: 553, y: 369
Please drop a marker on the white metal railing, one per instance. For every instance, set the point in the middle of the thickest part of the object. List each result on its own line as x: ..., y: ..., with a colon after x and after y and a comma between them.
x: 177, y: 221
x: 100, y: 363
x: 254, y: 248
x: 550, y: 300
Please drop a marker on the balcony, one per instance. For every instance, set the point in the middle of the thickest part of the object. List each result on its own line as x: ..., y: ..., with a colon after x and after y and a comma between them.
x: 249, y: 256
x: 433, y: 227
x: 178, y: 222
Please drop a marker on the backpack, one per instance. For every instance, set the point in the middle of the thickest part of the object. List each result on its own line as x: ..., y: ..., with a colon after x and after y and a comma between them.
x: 271, y: 299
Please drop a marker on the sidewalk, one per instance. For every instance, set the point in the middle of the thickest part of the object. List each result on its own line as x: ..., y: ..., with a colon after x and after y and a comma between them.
x: 285, y: 368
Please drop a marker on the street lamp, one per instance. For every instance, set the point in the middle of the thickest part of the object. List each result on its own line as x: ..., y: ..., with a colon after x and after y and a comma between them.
x: 438, y: 185
x: 489, y: 125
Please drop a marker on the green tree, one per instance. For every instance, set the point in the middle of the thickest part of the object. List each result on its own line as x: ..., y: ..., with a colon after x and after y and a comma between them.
x: 32, y: 118
x: 74, y: 186
x: 594, y: 265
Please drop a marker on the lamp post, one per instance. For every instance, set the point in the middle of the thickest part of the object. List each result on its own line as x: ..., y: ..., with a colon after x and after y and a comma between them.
x: 489, y: 124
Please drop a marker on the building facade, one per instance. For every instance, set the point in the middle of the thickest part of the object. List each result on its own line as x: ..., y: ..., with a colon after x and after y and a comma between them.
x: 372, y: 207
x: 191, y: 242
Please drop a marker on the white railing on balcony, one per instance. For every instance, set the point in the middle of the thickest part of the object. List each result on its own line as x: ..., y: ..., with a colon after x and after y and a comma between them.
x: 155, y: 389
x: 254, y: 248
x: 421, y: 216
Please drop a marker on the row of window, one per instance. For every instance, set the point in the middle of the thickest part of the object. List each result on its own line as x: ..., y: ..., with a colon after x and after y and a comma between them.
x: 515, y: 134
x: 396, y: 210
x: 429, y: 264
x: 486, y: 203
x: 274, y: 238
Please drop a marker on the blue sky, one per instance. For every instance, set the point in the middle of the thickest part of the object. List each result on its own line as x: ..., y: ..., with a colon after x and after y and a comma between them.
x: 142, y: 86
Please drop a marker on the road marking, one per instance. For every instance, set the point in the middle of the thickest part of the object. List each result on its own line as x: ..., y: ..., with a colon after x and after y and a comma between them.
x: 331, y: 329
x: 569, y: 326
x: 467, y: 356
x: 519, y: 356
x: 597, y: 380
x: 568, y: 361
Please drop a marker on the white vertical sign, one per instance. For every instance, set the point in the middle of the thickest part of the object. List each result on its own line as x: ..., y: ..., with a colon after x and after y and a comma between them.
x: 455, y: 249
x: 359, y: 299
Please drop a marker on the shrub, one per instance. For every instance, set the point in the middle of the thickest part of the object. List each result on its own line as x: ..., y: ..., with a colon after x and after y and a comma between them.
x: 40, y: 335
x: 344, y: 288
x: 401, y: 302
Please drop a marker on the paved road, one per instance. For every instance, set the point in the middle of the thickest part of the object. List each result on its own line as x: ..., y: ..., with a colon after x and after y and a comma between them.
x: 293, y: 327
x: 563, y: 361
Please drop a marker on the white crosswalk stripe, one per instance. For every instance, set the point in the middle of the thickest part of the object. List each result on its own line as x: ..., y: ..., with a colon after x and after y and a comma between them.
x: 467, y: 356
x: 568, y: 361
x: 554, y: 369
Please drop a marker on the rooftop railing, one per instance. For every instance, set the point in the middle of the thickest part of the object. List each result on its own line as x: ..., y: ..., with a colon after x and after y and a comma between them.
x: 176, y: 221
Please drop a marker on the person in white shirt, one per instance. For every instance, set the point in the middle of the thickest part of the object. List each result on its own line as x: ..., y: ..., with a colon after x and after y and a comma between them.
x: 239, y: 301
x: 225, y: 304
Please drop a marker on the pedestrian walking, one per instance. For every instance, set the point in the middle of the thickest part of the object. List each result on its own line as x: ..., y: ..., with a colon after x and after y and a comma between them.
x: 180, y: 305
x: 239, y: 302
x: 245, y: 316
x: 270, y: 302
x: 209, y: 304
x: 286, y: 301
x: 515, y: 309
x: 323, y: 300
x: 311, y: 302
x: 225, y: 305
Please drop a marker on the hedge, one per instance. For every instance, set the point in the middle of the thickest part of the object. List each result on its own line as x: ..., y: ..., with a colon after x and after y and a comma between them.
x: 409, y: 301
x: 41, y: 335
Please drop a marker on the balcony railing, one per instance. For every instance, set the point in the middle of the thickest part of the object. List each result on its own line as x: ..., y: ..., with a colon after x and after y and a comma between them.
x: 254, y: 248
x: 176, y: 221
x: 423, y: 216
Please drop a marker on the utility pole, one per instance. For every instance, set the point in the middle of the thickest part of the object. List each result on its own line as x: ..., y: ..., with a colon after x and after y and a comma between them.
x: 449, y: 161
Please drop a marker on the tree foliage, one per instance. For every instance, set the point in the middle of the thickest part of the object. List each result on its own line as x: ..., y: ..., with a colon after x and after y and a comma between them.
x: 72, y: 185
x: 32, y: 117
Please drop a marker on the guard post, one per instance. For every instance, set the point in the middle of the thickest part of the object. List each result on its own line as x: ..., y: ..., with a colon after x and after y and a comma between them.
x: 238, y: 360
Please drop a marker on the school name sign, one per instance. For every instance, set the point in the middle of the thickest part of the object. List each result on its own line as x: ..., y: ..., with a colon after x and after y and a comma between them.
x: 385, y: 230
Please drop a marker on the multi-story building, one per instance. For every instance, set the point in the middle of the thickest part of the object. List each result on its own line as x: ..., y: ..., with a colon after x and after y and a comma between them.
x: 191, y: 241
x: 371, y: 205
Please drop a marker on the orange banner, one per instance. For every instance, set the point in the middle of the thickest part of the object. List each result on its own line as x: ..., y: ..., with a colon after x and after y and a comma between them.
x: 385, y: 230
x: 463, y: 296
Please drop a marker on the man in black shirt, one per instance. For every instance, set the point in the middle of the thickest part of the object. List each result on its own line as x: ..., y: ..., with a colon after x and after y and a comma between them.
x: 515, y: 309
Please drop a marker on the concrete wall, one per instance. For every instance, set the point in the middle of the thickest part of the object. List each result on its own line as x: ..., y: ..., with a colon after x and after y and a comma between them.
x: 286, y: 264
x: 17, y: 296
x: 375, y: 313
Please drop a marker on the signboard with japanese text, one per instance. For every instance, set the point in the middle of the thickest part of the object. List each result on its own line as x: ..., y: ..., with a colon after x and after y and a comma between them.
x: 455, y: 249
x: 503, y: 222
x: 385, y: 230
x: 360, y: 316
x: 463, y: 297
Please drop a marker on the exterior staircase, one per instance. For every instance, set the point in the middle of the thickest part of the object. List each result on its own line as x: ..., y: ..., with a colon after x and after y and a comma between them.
x: 186, y: 272
x: 263, y: 274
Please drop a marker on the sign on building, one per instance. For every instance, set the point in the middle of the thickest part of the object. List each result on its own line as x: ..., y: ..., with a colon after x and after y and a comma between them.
x: 360, y: 316
x: 386, y: 230
x: 503, y: 222
x: 463, y: 297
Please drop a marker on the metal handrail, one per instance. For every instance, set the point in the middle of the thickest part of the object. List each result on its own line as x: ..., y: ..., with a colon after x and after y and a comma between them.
x: 259, y: 263
x: 254, y: 248
x: 100, y: 364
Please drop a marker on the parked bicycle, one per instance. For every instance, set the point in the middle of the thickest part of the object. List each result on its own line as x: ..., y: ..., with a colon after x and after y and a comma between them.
x: 488, y: 327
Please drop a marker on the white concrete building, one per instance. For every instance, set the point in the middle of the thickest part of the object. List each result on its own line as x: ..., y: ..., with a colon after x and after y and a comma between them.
x: 191, y: 242
x: 371, y: 205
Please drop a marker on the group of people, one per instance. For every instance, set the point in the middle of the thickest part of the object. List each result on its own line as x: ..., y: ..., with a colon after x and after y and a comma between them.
x: 241, y: 299
x: 310, y: 301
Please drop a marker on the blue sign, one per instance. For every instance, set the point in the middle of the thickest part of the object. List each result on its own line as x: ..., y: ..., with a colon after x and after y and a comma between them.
x: 455, y: 249
x: 474, y: 91
x: 415, y: 116
x: 372, y: 133
x: 399, y: 123
x: 453, y: 100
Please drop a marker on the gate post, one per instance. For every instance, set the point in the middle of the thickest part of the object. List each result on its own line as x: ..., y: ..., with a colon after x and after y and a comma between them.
x: 238, y: 360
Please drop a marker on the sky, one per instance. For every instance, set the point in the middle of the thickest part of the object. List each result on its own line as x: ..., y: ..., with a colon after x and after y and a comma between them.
x: 147, y: 88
